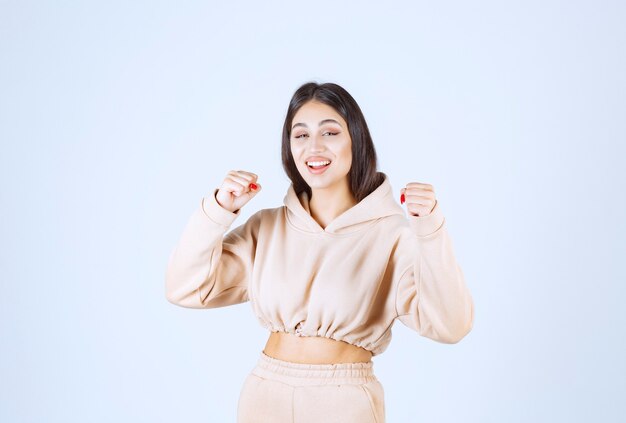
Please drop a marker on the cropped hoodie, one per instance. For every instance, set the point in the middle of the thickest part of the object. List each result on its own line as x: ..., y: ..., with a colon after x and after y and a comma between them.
x: 349, y: 281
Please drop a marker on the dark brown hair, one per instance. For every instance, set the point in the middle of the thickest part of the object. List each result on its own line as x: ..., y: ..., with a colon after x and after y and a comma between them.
x: 363, y: 177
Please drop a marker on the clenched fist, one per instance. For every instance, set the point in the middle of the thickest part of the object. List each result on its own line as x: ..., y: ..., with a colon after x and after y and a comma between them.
x: 420, y: 198
x: 237, y: 189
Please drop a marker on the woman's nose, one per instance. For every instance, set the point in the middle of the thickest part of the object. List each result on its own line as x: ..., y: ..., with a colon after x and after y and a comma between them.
x: 317, y: 143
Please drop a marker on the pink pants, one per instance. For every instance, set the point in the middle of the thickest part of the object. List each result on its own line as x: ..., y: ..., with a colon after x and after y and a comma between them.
x: 278, y: 391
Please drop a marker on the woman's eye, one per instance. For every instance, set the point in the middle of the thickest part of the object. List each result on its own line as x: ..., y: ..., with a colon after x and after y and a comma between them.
x: 327, y: 132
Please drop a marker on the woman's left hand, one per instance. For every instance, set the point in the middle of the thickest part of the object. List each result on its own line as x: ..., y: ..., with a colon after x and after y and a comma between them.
x: 420, y: 198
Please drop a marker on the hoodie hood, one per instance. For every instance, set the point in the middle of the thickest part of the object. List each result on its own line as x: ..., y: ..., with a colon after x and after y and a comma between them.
x: 378, y: 204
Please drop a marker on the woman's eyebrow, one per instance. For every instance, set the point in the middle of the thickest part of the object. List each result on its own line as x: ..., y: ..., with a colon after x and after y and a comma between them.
x: 320, y: 124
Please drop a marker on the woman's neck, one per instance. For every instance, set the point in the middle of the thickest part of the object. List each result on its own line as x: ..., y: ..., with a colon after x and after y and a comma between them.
x: 328, y: 203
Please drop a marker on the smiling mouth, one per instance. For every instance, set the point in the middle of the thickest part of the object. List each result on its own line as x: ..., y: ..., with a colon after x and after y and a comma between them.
x: 318, y: 168
x: 318, y: 164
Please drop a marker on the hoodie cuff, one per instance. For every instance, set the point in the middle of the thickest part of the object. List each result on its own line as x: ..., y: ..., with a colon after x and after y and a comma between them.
x: 214, y: 211
x: 427, y: 225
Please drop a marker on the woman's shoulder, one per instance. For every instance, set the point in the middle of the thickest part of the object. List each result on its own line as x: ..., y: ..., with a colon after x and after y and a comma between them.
x: 267, y: 214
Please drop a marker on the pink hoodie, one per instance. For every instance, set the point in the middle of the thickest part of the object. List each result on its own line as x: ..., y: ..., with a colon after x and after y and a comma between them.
x: 348, y: 281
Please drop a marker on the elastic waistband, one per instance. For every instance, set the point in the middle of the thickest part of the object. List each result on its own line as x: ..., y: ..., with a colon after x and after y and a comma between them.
x: 300, y: 374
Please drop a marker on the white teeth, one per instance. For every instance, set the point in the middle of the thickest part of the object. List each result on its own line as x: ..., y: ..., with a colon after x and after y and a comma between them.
x: 318, y: 163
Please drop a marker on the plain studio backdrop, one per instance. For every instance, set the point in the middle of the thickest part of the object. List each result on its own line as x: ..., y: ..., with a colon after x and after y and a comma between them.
x: 117, y: 117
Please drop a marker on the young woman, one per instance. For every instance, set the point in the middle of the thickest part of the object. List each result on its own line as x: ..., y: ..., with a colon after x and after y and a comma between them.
x: 327, y: 273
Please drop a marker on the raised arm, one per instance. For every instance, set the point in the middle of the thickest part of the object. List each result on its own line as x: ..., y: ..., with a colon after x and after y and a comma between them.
x: 432, y: 297
x: 206, y: 268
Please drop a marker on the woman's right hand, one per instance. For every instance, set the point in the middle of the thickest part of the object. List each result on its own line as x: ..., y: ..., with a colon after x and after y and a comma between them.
x: 236, y: 191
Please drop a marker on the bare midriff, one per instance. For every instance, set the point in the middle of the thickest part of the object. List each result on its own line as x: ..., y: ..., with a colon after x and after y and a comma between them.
x: 313, y: 349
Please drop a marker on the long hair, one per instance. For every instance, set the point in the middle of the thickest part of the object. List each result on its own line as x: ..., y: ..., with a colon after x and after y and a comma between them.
x: 363, y: 177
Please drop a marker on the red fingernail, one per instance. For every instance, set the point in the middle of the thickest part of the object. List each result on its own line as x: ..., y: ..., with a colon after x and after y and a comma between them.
x: 402, y: 199
x: 253, y: 186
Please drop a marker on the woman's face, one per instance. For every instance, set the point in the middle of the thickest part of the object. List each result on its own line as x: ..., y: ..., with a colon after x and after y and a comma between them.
x: 319, y: 133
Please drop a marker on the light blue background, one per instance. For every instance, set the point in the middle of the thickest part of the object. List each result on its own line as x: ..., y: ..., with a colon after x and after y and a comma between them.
x: 117, y: 117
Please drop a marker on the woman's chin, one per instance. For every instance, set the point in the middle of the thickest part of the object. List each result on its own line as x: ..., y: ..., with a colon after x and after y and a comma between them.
x: 322, y: 182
